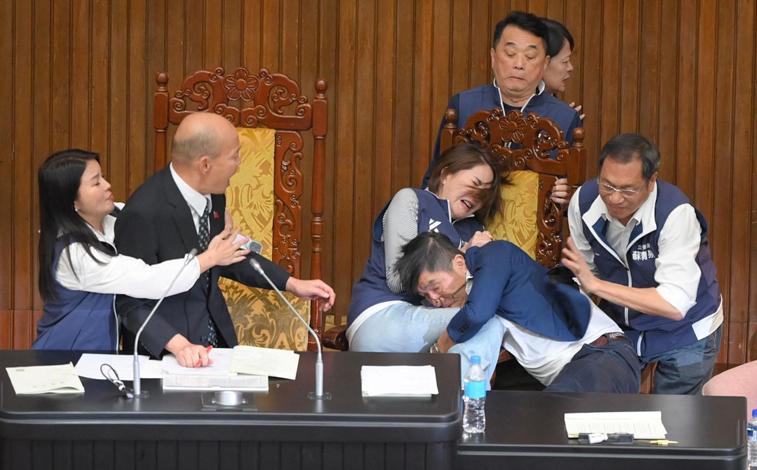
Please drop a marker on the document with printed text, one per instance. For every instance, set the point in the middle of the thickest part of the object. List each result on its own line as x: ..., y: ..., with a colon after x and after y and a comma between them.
x: 280, y: 363
x: 34, y: 380
x: 642, y: 424
x: 214, y: 377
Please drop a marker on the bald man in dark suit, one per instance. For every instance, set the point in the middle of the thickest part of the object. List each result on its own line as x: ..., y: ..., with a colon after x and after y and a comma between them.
x: 180, y: 208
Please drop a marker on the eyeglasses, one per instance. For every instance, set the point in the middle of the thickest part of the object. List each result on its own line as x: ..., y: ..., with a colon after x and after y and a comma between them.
x: 607, y: 189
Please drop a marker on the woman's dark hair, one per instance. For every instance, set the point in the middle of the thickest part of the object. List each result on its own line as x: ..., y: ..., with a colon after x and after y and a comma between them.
x: 557, y: 34
x: 463, y: 157
x: 59, y: 179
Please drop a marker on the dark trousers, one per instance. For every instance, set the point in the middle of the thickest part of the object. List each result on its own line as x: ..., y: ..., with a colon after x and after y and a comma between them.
x: 610, y: 368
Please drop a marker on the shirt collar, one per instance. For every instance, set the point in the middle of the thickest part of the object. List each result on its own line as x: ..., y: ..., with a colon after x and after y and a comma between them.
x: 195, y: 199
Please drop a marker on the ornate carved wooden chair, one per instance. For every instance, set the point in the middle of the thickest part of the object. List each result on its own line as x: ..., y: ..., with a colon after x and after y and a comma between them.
x: 271, y: 116
x: 535, y: 153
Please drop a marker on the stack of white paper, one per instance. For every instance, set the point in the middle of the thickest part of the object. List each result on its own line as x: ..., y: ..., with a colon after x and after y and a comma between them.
x: 265, y: 361
x: 33, y: 380
x: 398, y: 381
x: 642, y: 424
x: 215, y: 376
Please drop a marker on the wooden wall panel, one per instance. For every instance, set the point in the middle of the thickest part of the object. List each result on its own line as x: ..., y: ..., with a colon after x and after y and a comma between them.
x: 680, y: 71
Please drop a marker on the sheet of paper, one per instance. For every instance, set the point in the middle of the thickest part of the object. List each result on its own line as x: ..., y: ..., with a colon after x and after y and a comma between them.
x: 34, y: 380
x: 398, y: 381
x: 642, y: 424
x: 265, y: 361
x: 89, y: 366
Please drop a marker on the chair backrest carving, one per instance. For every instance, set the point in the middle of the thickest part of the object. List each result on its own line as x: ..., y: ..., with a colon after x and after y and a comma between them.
x: 532, y: 143
x: 274, y: 101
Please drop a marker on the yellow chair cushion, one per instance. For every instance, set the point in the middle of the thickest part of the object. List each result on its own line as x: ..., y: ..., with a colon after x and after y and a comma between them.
x: 517, y: 221
x: 260, y: 317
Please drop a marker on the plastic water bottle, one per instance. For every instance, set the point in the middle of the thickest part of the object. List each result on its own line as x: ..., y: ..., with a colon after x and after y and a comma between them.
x: 474, y: 398
x: 751, y: 436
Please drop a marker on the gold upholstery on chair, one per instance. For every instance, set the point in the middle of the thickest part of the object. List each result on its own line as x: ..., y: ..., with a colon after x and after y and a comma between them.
x: 260, y: 317
x: 534, y: 151
x: 519, y: 209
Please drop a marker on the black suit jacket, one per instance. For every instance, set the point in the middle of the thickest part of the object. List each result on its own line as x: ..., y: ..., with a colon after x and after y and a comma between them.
x: 156, y: 225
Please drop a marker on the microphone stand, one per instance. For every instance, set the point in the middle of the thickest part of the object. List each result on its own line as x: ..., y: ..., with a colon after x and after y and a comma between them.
x: 137, y: 379
x: 318, y: 395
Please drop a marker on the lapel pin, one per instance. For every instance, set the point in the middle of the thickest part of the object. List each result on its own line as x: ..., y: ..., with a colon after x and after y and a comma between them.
x: 216, y: 215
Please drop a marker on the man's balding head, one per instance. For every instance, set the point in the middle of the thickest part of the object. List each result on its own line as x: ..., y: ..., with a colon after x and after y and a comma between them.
x: 200, y: 134
x: 205, y: 152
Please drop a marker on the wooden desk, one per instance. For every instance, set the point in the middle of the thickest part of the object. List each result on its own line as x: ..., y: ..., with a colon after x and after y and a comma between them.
x: 279, y: 429
x: 526, y: 430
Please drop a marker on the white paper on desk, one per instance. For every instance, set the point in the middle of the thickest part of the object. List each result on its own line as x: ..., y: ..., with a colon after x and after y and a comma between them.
x: 220, y: 360
x: 215, y: 376
x: 34, y: 380
x: 265, y: 361
x: 89, y: 366
x: 642, y: 424
x: 398, y: 381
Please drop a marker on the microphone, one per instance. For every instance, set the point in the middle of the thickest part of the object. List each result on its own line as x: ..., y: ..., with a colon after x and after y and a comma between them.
x: 319, y: 359
x: 137, y: 379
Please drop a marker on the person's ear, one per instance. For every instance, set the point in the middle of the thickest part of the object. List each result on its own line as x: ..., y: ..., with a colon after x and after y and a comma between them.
x: 652, y: 179
x: 203, y: 164
x: 458, y: 263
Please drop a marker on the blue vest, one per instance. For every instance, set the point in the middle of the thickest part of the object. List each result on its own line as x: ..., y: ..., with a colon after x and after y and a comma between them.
x: 658, y: 334
x: 486, y: 98
x: 76, y: 320
x: 433, y: 215
x: 506, y: 281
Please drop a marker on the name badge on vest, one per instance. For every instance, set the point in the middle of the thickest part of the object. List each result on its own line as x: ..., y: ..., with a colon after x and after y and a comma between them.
x: 643, y: 252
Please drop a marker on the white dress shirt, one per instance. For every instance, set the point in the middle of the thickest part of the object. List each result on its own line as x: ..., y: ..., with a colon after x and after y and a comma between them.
x: 543, y: 357
x: 121, y: 274
x: 195, y: 200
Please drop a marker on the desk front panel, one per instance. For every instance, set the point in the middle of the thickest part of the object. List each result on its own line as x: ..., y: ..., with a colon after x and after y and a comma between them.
x: 526, y: 430
x: 278, y: 429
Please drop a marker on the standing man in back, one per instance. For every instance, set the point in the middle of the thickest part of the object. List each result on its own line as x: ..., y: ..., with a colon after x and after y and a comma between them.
x: 518, y: 59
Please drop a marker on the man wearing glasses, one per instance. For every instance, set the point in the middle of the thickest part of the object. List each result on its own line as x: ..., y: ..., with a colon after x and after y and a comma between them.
x: 639, y: 245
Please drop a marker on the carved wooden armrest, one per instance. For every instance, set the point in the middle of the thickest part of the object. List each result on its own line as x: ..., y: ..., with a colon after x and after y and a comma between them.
x: 336, y: 338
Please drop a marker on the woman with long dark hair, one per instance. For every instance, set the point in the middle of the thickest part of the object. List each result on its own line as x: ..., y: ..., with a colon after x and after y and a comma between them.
x: 80, y: 269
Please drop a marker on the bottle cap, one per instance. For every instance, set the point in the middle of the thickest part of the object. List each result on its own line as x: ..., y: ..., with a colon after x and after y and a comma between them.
x: 477, y: 360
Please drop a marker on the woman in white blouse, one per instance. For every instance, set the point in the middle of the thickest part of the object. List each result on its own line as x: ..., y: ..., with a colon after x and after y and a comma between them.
x: 80, y: 269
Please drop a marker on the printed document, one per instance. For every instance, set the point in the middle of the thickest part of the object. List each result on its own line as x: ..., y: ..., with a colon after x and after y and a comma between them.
x: 265, y: 361
x: 34, y: 380
x: 214, y: 377
x: 642, y: 424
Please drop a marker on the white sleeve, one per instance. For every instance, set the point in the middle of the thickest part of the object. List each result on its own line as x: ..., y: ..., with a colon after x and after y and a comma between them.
x: 576, y: 226
x: 400, y: 226
x: 122, y: 274
x: 677, y: 272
